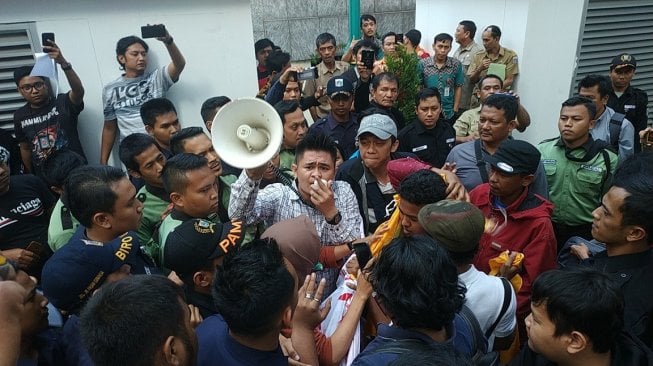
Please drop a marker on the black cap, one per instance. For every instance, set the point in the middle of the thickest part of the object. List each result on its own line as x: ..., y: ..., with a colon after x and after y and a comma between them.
x: 515, y: 157
x: 623, y: 60
x: 195, y: 241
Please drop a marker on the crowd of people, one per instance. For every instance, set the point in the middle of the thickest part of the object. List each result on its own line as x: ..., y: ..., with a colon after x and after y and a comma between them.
x: 367, y: 239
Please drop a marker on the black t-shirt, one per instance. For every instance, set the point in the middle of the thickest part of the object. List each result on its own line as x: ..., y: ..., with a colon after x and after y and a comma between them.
x: 53, y: 126
x: 30, y: 200
x: 9, y: 142
x: 430, y: 145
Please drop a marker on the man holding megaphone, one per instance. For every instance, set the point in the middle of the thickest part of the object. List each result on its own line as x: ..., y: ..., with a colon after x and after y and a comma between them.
x: 330, y: 204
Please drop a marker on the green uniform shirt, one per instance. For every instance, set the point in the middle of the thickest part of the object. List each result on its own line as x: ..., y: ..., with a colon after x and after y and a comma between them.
x: 286, y: 158
x: 62, y: 226
x: 176, y: 218
x: 155, y: 201
x: 576, y: 187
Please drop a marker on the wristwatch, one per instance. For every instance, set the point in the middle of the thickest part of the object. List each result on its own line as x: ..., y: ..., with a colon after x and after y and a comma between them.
x: 67, y: 66
x: 335, y: 220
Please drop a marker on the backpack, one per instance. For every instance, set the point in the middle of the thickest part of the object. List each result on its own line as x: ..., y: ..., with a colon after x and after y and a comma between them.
x: 615, y: 129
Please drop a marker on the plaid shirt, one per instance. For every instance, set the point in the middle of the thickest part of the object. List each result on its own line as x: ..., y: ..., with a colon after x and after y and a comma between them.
x: 278, y: 202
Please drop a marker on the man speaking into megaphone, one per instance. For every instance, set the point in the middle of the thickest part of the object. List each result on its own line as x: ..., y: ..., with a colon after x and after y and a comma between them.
x: 330, y: 204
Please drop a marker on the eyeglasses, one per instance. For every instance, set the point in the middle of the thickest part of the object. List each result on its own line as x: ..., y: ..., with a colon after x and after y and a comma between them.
x: 28, y: 87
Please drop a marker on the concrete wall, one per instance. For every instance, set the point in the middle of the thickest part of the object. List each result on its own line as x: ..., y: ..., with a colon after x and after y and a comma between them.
x: 543, y: 33
x: 294, y: 24
x: 218, y: 63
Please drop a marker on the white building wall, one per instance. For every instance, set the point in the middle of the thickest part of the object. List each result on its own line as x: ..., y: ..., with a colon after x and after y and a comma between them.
x: 543, y: 33
x: 215, y: 37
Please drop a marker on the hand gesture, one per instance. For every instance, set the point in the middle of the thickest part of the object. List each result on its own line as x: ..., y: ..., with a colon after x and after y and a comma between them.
x: 581, y: 251
x: 285, y: 76
x: 166, y: 39
x: 23, y: 257
x: 507, y: 270
x: 195, y: 316
x: 54, y: 52
x: 486, y: 64
x: 308, y: 313
x: 322, y: 198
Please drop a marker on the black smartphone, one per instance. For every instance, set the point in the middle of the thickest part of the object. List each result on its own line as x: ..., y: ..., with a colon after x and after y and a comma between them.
x: 363, y: 254
x: 399, y: 38
x: 367, y: 58
x: 307, y: 74
x: 153, y: 31
x: 45, y: 37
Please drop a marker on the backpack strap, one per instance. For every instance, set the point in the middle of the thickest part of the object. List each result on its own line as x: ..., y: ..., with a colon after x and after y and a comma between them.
x: 480, y: 163
x: 480, y: 342
x: 615, y: 129
x: 66, y: 218
x: 507, y: 291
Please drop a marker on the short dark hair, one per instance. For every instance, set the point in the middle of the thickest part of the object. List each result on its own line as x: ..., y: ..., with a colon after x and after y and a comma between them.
x: 584, y: 300
x: 316, y: 142
x: 436, y: 355
x: 366, y: 17
x: 155, y: 107
x: 603, y: 82
x: 365, y: 43
x: 209, y: 106
x: 443, y: 37
x: 388, y: 35
x: 124, y: 43
x: 490, y: 76
x: 252, y: 287
x: 286, y: 106
x: 88, y: 191
x: 324, y: 38
x: 174, y: 172
x: 22, y: 72
x: 635, y: 177
x: 423, y: 187
x: 136, y: 316
x: 416, y: 281
x: 586, y: 102
x: 494, y: 30
x: 469, y: 26
x: 507, y: 103
x: 414, y: 36
x: 389, y: 76
x: 57, y: 167
x: 426, y: 93
x: 262, y: 43
x: 277, y: 60
x: 132, y: 146
x: 178, y: 139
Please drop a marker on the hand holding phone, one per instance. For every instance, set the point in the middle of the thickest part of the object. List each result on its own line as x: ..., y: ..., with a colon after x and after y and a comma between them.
x: 367, y: 58
x: 308, y: 74
x: 153, y: 31
x: 46, y: 38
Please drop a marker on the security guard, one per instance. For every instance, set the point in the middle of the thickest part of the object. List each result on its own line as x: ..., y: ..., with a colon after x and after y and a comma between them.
x: 625, y: 98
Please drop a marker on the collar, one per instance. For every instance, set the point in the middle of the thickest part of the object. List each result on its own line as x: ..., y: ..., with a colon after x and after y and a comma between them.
x: 469, y: 46
x: 333, y: 124
x: 158, y: 192
x: 420, y: 128
x: 587, y: 146
x: 394, y: 332
x: 513, y: 206
x: 323, y: 69
x: 179, y: 216
x: 625, y: 261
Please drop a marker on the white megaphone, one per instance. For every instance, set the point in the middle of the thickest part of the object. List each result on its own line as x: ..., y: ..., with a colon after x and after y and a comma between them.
x: 247, y: 133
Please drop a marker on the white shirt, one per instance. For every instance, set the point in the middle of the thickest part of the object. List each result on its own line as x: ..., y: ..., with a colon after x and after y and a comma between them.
x: 484, y: 297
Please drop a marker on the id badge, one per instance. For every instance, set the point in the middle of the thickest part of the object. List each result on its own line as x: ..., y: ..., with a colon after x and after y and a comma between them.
x: 447, y: 91
x: 44, y: 142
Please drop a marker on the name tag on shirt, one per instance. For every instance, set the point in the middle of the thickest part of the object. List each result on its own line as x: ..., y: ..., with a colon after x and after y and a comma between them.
x: 420, y: 148
x: 447, y: 91
x: 628, y: 107
x: 451, y: 140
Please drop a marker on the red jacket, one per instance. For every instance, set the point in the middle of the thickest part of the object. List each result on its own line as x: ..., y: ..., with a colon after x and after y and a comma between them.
x: 528, y: 231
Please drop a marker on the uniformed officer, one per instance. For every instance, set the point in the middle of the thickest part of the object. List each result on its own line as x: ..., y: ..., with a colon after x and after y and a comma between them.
x: 494, y: 54
x: 625, y: 98
x: 578, y: 169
